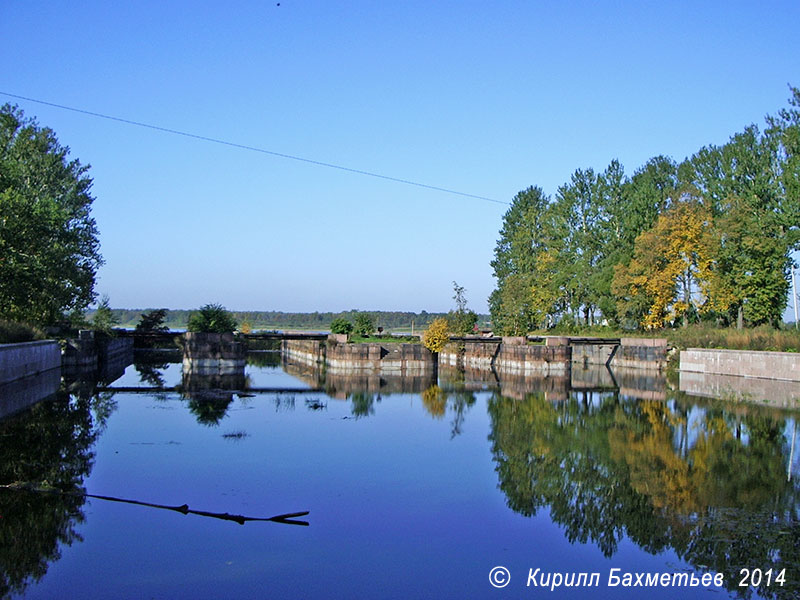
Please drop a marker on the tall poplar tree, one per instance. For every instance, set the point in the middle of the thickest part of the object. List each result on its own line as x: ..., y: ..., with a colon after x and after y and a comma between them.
x: 49, y: 252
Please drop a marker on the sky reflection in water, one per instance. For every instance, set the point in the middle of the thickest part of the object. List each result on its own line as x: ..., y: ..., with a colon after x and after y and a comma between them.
x: 415, y: 490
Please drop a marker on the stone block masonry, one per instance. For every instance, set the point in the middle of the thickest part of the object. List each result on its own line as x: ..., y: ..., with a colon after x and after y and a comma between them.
x: 213, y: 354
x: 742, y: 363
x: 540, y: 360
x: 307, y: 352
x: 641, y: 353
x: 380, y: 358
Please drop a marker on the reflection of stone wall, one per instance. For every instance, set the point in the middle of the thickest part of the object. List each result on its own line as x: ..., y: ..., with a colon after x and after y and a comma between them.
x: 583, y: 378
x: 520, y: 385
x: 731, y: 387
x: 193, y: 381
x: 339, y: 385
x: 309, y: 373
x: 19, y: 394
x: 469, y: 378
x: 644, y: 384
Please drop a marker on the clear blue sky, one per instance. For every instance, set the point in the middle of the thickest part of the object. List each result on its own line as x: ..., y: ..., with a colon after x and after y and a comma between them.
x: 484, y: 97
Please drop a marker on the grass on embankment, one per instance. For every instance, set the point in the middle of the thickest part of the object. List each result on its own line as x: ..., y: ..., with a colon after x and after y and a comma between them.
x: 758, y: 338
x: 383, y: 339
x: 702, y: 336
x: 14, y: 333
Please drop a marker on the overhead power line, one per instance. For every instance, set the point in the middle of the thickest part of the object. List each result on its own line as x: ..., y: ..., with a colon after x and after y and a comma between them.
x: 253, y: 148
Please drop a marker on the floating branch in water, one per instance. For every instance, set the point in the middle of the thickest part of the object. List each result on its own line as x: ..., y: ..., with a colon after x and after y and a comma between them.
x: 286, y: 518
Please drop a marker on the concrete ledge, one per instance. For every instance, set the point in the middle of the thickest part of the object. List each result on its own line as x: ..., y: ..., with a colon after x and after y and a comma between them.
x: 742, y: 363
x: 27, y: 359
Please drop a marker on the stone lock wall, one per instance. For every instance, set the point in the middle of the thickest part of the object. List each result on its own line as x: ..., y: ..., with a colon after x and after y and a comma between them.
x: 379, y: 357
x: 309, y: 352
x: 641, y: 353
x: 743, y: 363
x: 213, y: 353
x: 28, y: 358
x: 534, y: 359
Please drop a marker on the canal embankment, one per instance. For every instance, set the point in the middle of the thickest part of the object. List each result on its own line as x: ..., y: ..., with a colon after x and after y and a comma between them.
x: 29, y: 372
x: 742, y: 363
x: 27, y: 359
x: 551, y: 356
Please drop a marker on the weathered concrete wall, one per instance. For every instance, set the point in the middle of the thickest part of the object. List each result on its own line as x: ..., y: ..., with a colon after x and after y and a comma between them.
x: 774, y: 392
x: 213, y: 354
x: 512, y: 355
x: 309, y: 352
x: 540, y: 360
x: 469, y: 355
x: 114, y: 350
x: 379, y: 358
x: 28, y: 358
x: 641, y: 353
x: 742, y: 363
x: 80, y: 354
x: 96, y: 358
x: 592, y: 354
x: 342, y: 358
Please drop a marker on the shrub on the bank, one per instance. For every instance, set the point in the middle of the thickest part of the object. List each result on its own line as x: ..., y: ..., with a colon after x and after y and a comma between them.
x: 436, y: 336
x: 341, y: 325
x: 15, y: 333
x: 212, y: 318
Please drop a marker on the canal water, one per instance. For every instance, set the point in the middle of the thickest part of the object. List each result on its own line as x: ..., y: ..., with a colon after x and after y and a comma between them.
x: 414, y: 488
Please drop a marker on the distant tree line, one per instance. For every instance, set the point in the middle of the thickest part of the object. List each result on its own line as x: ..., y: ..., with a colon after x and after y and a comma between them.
x: 257, y: 320
x: 709, y: 238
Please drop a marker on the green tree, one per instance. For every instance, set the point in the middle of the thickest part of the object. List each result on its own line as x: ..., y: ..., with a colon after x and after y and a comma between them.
x: 49, y: 252
x: 526, y: 232
x: 152, y: 321
x: 511, y: 305
x: 364, y: 324
x: 741, y: 184
x: 462, y: 320
x: 341, y: 326
x: 212, y: 318
x: 104, y: 319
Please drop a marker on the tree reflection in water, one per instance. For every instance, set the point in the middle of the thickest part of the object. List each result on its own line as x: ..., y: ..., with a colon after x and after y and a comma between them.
x: 49, y: 445
x: 704, y: 481
x: 438, y: 401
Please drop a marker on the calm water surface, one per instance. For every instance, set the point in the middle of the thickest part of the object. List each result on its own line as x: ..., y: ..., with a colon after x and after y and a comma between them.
x: 415, y: 490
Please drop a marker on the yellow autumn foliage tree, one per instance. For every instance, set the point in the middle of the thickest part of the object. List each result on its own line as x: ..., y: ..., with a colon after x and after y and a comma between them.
x: 672, y: 272
x: 436, y: 336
